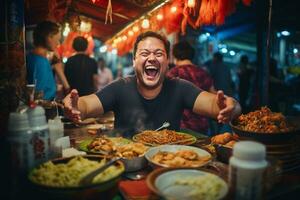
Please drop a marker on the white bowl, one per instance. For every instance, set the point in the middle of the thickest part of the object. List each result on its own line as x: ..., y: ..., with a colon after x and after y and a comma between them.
x: 174, y: 148
x: 168, y: 185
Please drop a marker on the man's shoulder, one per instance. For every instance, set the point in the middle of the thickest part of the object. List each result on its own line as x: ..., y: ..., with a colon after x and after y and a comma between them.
x: 124, y: 81
x: 177, y: 80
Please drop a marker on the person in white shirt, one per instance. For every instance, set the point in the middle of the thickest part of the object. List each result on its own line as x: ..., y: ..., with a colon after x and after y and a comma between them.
x: 104, y: 74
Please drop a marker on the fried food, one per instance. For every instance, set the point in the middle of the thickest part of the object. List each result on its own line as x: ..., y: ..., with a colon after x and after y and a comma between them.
x: 131, y: 150
x: 181, y: 158
x: 102, y: 144
x: 264, y: 121
x: 222, y: 138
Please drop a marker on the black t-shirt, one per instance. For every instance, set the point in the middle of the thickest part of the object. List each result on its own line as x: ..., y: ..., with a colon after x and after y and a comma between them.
x: 79, y: 71
x: 134, y: 112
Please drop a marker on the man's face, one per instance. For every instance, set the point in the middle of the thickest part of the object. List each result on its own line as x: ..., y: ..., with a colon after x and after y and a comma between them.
x: 53, y: 41
x: 150, y: 62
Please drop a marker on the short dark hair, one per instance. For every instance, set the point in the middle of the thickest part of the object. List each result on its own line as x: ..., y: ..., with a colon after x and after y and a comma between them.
x: 183, y: 50
x: 244, y: 59
x: 218, y: 56
x: 42, y: 31
x: 147, y: 34
x: 80, y: 43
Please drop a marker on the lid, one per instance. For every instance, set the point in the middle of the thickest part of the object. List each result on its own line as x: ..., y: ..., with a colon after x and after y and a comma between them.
x: 249, y: 150
x: 37, y: 116
x: 18, y: 122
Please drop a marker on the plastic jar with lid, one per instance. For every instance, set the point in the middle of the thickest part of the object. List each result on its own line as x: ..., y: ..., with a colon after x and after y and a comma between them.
x: 40, y: 139
x: 19, y: 141
x: 247, y: 170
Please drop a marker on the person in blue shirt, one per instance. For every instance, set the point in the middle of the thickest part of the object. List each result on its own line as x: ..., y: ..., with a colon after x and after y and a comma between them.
x: 46, y: 37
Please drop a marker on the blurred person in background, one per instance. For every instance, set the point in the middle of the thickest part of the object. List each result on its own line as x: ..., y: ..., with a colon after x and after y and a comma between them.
x: 277, y: 88
x: 63, y: 87
x: 221, y: 76
x: 46, y: 37
x: 184, y: 68
x: 245, y: 74
x: 81, y: 70
x: 104, y: 74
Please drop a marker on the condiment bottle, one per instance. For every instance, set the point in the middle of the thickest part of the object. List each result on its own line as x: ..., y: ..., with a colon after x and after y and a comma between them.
x: 40, y: 139
x: 247, y: 169
x: 19, y: 139
x: 56, y: 131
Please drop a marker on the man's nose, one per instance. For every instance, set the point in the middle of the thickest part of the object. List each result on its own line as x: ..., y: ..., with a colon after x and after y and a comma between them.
x: 151, y: 56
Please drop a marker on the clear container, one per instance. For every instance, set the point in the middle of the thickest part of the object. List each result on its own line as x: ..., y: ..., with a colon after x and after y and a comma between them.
x: 56, y: 131
x: 19, y: 139
x: 247, y: 170
x: 40, y: 129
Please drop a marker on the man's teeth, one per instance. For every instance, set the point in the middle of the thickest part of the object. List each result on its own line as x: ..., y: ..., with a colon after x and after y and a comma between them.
x: 151, y: 67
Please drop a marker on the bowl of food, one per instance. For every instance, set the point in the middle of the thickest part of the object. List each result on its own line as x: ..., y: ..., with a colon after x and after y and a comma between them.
x: 185, y: 184
x: 266, y: 126
x: 223, y: 144
x: 177, y: 156
x: 133, y: 156
x: 60, y: 178
x: 131, y: 153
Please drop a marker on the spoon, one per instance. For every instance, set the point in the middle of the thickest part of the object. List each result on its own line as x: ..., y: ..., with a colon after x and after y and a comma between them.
x: 87, y: 179
x: 165, y: 125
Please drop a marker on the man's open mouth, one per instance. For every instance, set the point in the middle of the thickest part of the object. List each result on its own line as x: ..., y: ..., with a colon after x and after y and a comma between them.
x: 151, y: 71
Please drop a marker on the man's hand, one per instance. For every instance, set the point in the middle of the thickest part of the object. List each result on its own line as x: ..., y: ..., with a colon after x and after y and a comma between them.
x: 229, y: 108
x: 71, y: 106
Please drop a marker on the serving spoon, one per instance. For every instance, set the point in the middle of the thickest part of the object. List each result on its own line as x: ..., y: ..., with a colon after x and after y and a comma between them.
x: 87, y: 179
x: 165, y: 125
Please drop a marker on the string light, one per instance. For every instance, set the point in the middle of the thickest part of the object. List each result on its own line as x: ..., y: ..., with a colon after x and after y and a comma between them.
x: 124, y: 37
x: 159, y: 17
x: 191, y: 3
x: 130, y: 33
x: 173, y: 9
x: 66, y: 30
x: 135, y: 28
x: 145, y: 24
x: 103, y: 49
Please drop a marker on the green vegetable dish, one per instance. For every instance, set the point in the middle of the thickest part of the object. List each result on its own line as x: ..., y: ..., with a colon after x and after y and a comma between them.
x: 70, y: 173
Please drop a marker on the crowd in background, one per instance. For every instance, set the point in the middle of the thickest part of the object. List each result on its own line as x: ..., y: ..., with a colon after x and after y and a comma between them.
x: 88, y: 75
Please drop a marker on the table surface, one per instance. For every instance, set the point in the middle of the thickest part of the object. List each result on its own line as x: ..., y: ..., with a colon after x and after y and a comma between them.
x: 284, y: 185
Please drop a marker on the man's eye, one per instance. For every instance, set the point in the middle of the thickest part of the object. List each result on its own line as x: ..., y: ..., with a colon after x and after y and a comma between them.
x: 144, y: 54
x: 159, y: 54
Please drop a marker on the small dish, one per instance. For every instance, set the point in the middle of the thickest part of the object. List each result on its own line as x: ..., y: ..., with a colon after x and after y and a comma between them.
x: 185, y: 184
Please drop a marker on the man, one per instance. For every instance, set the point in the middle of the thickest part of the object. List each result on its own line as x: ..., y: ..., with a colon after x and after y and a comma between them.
x: 184, y: 53
x: 148, y: 99
x: 81, y: 70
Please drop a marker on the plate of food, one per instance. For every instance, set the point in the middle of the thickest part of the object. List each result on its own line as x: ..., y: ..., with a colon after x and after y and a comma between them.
x: 155, y: 138
x: 177, y: 156
x: 266, y: 126
x: 185, y: 184
x: 103, y: 144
